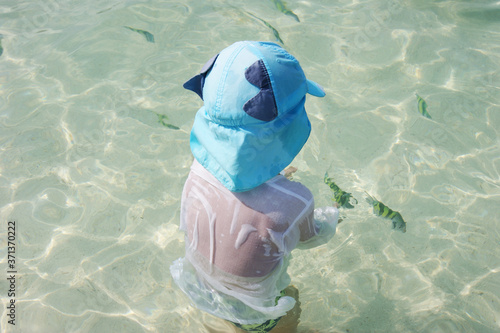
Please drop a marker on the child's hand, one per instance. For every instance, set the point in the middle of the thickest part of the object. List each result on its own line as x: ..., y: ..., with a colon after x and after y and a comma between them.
x: 336, y: 205
x: 289, y: 171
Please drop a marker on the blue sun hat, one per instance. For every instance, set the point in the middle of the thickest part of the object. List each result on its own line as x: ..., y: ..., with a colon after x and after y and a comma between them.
x: 253, y: 122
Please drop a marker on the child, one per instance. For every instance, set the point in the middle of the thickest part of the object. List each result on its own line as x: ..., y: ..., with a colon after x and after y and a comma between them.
x: 241, y: 217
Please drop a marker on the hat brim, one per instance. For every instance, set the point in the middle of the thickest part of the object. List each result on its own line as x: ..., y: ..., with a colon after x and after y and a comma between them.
x: 315, y: 89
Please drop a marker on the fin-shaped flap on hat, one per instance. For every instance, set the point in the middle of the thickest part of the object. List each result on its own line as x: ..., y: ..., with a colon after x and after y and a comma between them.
x: 263, y: 105
x: 196, y: 82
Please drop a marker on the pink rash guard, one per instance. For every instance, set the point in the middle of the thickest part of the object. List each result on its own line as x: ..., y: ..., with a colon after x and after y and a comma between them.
x: 238, y: 244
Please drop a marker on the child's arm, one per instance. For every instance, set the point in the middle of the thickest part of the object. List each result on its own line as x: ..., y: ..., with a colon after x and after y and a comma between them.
x: 319, y: 227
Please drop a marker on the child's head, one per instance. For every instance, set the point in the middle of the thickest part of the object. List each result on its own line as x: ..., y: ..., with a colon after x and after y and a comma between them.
x: 253, y: 122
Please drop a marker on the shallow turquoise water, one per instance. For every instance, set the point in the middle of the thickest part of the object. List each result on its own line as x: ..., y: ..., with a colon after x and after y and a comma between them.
x: 93, y: 179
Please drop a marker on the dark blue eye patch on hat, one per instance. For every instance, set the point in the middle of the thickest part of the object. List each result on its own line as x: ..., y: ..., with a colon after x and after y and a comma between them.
x: 196, y: 82
x: 263, y: 105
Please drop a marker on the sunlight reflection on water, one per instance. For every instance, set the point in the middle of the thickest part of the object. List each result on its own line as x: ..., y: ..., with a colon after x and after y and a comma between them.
x: 95, y: 149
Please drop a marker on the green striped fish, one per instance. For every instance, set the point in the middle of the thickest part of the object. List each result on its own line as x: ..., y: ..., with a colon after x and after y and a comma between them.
x: 275, y: 32
x: 380, y: 209
x: 341, y: 197
x: 149, y: 36
x: 162, y: 120
x: 284, y: 9
x: 422, y: 107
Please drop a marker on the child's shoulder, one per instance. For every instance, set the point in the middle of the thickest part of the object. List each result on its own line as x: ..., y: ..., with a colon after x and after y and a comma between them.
x: 291, y: 186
